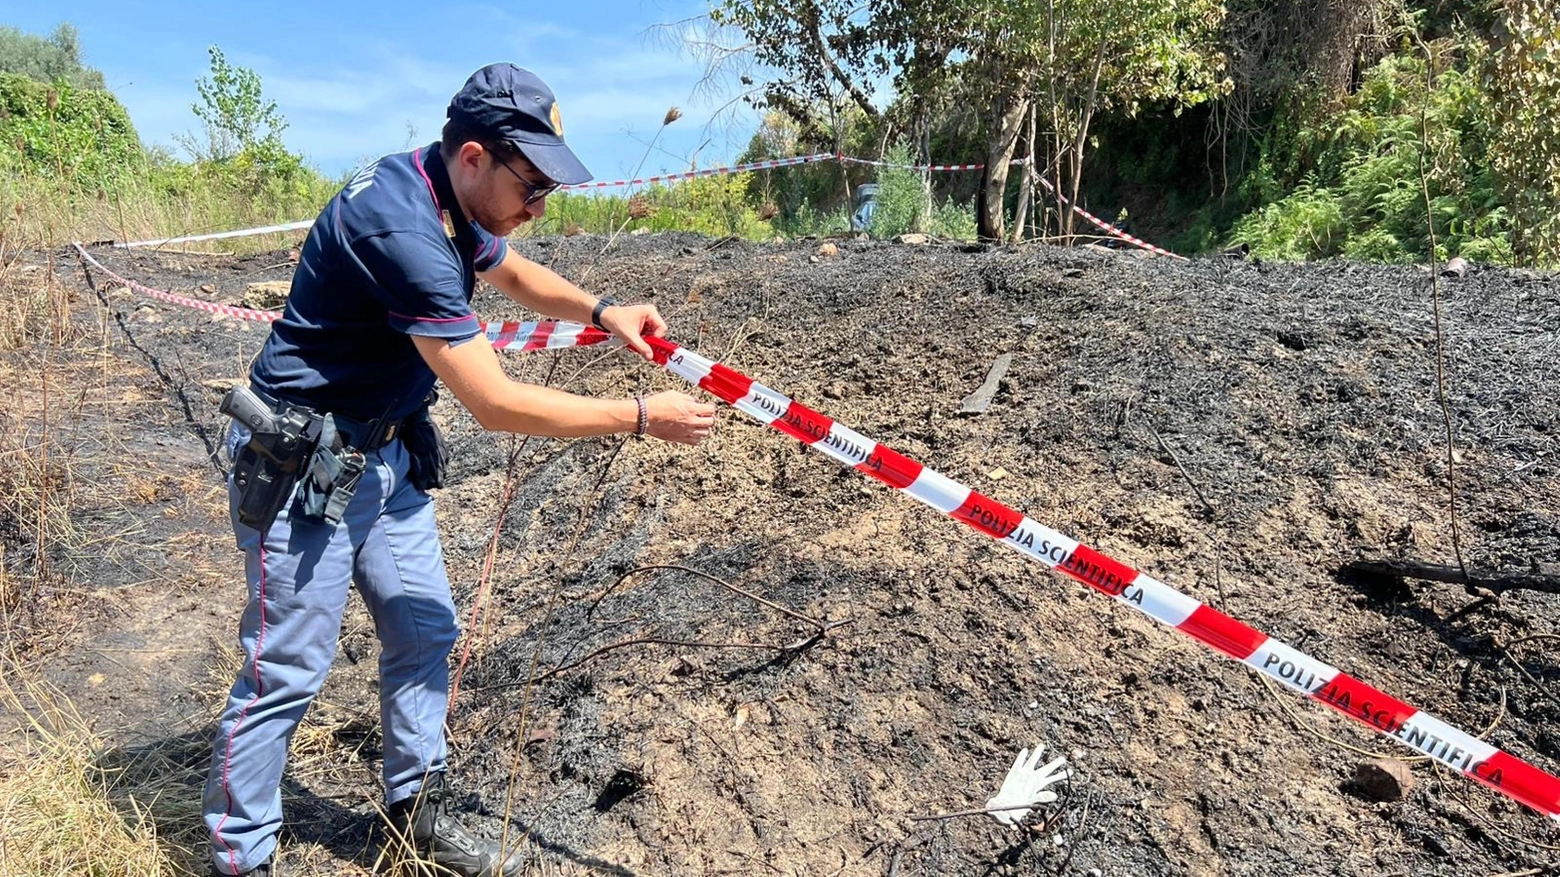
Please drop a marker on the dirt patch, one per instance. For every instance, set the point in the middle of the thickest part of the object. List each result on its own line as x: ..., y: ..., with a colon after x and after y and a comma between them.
x: 1238, y: 430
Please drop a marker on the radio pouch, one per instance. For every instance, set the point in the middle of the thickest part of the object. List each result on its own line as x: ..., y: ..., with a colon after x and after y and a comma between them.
x: 332, y: 477
x: 427, y: 453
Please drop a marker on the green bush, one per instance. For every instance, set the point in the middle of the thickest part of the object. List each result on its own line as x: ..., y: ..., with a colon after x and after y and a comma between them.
x: 1307, y: 224
x: 953, y: 221
x: 902, y: 197
x: 82, y: 138
x: 71, y: 162
x: 713, y: 205
x: 1364, y: 198
x: 809, y: 221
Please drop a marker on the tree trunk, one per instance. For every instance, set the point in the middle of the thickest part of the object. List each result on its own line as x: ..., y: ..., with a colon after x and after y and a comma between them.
x: 1004, y: 124
x: 1026, y: 190
x: 1085, y: 116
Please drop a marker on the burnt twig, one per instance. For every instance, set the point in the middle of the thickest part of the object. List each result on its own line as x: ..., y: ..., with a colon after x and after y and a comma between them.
x: 1184, y: 474
x: 1493, y: 583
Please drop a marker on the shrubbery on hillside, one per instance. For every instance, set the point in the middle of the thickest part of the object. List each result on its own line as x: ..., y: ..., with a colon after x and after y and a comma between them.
x: 79, y: 136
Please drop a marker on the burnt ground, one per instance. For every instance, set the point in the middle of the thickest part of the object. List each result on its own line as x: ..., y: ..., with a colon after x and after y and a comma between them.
x: 673, y: 732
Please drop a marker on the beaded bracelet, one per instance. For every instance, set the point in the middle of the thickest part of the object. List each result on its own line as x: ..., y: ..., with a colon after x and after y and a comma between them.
x: 644, y: 416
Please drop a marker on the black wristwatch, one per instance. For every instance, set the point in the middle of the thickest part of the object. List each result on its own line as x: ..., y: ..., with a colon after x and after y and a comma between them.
x: 602, y: 304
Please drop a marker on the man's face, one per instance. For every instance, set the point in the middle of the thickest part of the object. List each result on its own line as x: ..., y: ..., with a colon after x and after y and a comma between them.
x: 498, y: 187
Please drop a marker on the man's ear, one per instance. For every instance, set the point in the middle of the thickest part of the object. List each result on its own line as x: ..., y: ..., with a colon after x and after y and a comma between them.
x: 470, y: 155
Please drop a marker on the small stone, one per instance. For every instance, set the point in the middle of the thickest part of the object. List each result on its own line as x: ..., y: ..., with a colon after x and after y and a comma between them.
x: 828, y: 248
x: 913, y: 239
x: 1385, y: 779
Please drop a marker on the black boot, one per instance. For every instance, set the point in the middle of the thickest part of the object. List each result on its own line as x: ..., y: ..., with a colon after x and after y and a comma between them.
x: 421, y: 821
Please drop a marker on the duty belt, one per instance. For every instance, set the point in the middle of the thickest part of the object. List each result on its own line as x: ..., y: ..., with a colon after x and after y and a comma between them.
x: 369, y: 436
x: 362, y: 435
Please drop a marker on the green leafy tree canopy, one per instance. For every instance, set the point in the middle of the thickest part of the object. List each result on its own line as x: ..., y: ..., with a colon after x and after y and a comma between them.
x: 238, y: 118
x: 50, y: 59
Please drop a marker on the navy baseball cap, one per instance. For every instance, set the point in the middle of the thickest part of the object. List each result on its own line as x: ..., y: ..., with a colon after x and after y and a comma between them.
x: 516, y: 106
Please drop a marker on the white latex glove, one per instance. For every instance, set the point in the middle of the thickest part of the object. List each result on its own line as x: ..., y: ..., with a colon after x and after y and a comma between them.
x: 1025, y: 786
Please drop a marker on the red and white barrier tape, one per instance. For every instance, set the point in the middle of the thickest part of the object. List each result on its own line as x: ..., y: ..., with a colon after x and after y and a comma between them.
x: 302, y: 225
x: 1107, y: 227
x: 707, y: 172
x: 1100, y: 223
x: 918, y: 167
x: 521, y: 336
x: 1411, y: 727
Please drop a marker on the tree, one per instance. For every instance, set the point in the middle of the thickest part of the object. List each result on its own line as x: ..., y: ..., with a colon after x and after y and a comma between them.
x: 1087, y: 55
x: 52, y: 59
x: 1121, y: 55
x: 238, y: 118
x: 1523, y: 78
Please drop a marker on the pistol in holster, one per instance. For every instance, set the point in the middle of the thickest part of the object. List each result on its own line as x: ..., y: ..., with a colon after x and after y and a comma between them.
x: 281, y: 444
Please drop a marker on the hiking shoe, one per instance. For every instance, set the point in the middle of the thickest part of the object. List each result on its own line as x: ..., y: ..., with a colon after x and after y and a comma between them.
x: 421, y: 820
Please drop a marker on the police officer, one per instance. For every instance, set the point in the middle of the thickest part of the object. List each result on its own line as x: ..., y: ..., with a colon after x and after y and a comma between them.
x: 381, y: 307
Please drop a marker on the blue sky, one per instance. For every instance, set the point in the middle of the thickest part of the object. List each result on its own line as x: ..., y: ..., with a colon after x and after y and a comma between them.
x: 351, y: 77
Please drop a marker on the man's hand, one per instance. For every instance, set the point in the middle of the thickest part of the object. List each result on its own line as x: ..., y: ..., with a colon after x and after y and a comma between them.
x: 631, y: 323
x: 674, y: 416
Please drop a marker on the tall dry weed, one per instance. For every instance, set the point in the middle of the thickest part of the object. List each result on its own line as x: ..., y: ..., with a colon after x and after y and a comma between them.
x: 58, y: 816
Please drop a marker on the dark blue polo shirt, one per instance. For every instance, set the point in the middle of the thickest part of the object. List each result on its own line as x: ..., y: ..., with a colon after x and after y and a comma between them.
x: 379, y: 265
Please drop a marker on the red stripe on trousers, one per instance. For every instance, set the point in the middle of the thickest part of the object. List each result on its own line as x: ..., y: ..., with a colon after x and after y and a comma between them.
x: 227, y: 757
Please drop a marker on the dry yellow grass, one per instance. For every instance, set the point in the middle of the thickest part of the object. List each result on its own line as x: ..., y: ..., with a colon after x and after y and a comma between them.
x: 57, y: 814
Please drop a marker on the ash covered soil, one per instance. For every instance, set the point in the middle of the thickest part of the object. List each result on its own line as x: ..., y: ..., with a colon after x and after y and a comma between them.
x: 676, y: 727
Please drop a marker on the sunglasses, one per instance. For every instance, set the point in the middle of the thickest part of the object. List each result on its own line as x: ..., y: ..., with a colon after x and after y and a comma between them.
x: 533, y: 192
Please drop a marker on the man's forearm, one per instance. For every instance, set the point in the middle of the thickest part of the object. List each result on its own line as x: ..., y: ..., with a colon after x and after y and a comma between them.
x: 542, y: 290
x: 529, y: 409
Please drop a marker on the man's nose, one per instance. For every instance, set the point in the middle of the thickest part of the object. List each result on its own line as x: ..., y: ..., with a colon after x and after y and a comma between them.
x: 537, y: 208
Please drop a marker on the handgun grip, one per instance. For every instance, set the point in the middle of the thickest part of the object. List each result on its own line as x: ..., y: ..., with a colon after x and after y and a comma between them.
x: 243, y: 405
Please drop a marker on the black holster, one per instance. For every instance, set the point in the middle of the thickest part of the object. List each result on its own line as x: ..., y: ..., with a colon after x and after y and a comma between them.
x: 267, y: 468
x: 426, y: 449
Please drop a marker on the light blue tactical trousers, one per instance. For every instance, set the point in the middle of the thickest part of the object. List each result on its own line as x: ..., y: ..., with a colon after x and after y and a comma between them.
x: 387, y: 544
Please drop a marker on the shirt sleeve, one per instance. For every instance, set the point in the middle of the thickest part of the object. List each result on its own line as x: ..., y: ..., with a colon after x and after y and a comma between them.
x: 418, y: 280
x: 490, y: 249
